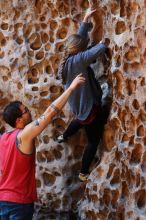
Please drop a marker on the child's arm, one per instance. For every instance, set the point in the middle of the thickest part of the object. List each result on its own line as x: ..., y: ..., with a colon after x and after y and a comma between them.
x: 85, y: 27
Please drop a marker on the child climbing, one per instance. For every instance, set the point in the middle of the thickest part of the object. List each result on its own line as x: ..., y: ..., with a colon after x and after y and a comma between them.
x: 85, y: 102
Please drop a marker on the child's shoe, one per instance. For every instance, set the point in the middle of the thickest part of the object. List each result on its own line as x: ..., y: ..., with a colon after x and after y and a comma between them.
x: 83, y: 177
x: 60, y: 139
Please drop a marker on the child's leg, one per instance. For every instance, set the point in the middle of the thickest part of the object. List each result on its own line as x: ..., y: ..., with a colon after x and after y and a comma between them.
x: 73, y: 127
x: 94, y: 133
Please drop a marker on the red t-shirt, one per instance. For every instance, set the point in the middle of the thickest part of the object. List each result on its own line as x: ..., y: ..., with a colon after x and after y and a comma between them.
x: 17, y: 171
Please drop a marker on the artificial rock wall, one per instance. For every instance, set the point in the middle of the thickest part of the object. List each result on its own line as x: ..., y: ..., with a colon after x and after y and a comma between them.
x: 31, y: 38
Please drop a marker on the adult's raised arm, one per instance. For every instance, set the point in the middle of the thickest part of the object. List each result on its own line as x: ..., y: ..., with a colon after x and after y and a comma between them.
x: 32, y: 130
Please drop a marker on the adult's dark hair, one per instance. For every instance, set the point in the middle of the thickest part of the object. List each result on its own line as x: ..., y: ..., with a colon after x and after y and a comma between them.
x: 12, y: 112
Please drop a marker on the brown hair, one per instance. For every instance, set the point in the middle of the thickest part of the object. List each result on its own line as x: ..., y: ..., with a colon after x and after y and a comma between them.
x: 74, y: 44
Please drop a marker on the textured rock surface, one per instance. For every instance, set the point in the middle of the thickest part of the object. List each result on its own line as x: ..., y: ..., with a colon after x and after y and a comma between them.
x: 117, y: 187
x: 31, y: 38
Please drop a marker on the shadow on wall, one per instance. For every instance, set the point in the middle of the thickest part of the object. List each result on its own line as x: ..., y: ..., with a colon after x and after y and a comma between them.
x: 102, y: 74
x: 102, y: 67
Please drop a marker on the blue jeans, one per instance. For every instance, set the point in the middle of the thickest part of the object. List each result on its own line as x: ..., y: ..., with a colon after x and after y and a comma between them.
x: 16, y: 211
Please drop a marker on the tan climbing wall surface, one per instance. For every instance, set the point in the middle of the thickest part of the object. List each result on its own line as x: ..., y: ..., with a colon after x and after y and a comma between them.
x: 116, y: 189
x: 32, y: 33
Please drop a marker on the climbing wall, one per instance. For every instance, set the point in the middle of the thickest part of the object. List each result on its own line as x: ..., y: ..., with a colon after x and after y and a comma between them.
x: 32, y: 34
x: 116, y: 189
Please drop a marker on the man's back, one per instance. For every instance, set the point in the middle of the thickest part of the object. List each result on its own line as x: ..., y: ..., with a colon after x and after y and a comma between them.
x: 17, y: 171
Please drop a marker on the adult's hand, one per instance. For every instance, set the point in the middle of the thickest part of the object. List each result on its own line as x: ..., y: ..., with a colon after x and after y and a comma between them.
x: 79, y: 80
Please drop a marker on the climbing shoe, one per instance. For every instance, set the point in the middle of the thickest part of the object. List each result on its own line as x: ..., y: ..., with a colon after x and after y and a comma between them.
x: 83, y: 177
x: 60, y: 139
